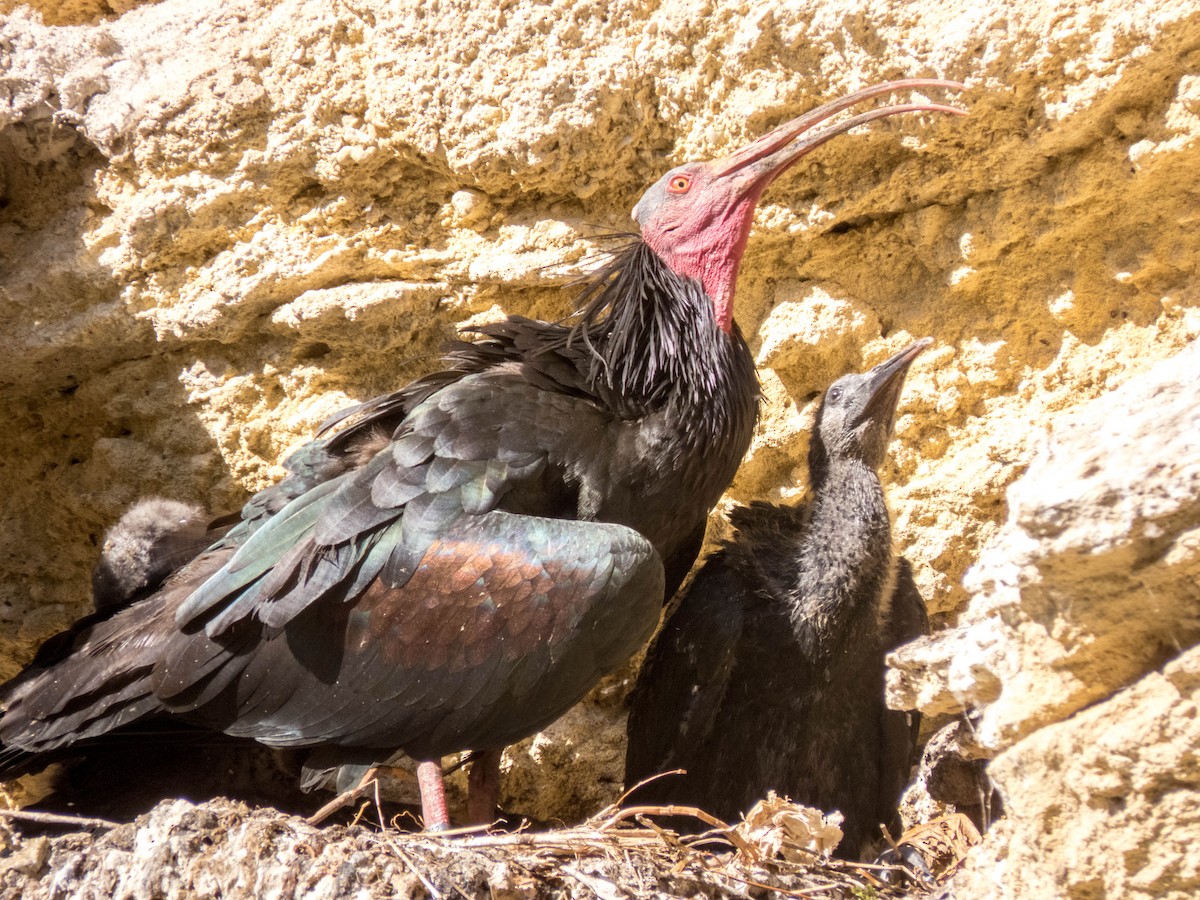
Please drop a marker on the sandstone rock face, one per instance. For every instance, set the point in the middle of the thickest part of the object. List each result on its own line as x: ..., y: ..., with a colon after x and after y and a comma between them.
x: 1079, y: 600
x: 222, y: 220
x: 1104, y: 804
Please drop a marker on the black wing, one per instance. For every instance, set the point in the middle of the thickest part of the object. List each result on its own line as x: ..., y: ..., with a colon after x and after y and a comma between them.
x: 508, y: 623
x: 682, y: 685
x: 486, y: 443
x: 907, y: 620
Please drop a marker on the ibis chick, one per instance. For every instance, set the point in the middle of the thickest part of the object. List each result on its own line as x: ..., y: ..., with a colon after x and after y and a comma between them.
x: 151, y: 540
x: 769, y: 673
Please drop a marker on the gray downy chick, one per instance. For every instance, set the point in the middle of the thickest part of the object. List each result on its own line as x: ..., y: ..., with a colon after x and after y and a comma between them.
x: 151, y: 540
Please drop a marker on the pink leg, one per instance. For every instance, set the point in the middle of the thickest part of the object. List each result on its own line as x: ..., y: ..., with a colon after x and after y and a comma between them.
x: 433, y: 795
x: 483, y: 788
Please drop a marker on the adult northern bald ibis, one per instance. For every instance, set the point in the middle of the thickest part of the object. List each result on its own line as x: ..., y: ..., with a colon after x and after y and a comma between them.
x: 769, y: 673
x: 454, y: 565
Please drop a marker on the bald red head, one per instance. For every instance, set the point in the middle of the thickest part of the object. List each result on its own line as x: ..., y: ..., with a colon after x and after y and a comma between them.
x: 697, y: 217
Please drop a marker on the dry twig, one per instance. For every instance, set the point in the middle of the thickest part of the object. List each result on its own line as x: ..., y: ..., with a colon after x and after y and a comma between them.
x: 29, y: 815
x: 412, y: 867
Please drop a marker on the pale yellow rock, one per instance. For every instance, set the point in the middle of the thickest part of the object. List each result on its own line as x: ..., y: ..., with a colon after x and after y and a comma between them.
x: 1089, y: 588
x: 1092, y: 581
x: 1104, y: 804
x: 222, y: 219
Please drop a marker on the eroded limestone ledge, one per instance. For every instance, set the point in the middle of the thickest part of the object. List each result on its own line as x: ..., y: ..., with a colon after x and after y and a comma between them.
x: 1089, y: 588
x: 1103, y: 804
x: 223, y: 219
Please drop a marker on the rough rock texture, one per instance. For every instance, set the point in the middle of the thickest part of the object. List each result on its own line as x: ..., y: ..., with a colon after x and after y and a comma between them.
x: 951, y: 777
x: 1105, y: 804
x: 220, y: 220
x: 1083, y: 596
x: 225, y: 850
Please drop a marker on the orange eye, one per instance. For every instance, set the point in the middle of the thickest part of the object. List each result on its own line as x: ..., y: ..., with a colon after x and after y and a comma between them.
x: 679, y: 184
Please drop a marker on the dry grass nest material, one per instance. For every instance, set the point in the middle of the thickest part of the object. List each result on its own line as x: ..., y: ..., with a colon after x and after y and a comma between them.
x: 781, y: 849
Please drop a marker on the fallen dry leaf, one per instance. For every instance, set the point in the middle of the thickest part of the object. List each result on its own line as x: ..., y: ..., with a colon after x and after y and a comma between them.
x: 777, y: 827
